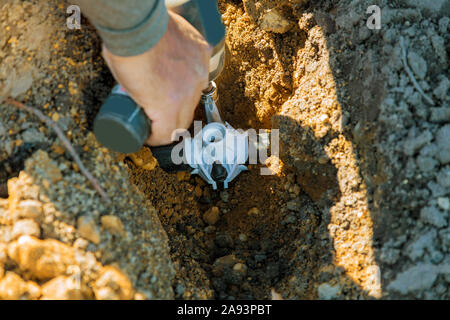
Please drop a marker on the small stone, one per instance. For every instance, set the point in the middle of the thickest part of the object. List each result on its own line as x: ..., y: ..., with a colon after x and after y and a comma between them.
x: 182, y: 176
x: 88, y: 229
x: 31, y: 209
x: 13, y: 287
x: 426, y: 164
x: 26, y: 227
x: 328, y: 292
x: 44, y: 259
x: 81, y: 244
x: 293, y: 205
x: 417, y: 278
x: 198, y: 191
x: 444, y: 203
x: 240, y: 268
x: 433, y: 216
x: 443, y: 142
x: 253, y: 211
x: 33, y: 135
x: 412, y: 145
x: 274, y: 21
x: 443, y: 177
x: 113, y: 224
x: 212, y: 216
x: 243, y: 237
x: 440, y: 115
x: 224, y: 240
x: 62, y: 288
x: 418, y: 64
x: 442, y: 89
x: 112, y: 284
x: 225, y: 196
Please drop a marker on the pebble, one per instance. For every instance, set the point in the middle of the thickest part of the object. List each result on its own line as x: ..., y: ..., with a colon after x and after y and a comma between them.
x: 212, y: 216
x: 243, y: 237
x: 443, y: 142
x: 88, y: 229
x: 240, y: 268
x: 13, y: 287
x: 328, y: 292
x: 224, y: 240
x: 274, y: 21
x: 62, y: 288
x: 112, y: 284
x: 417, y: 278
x: 433, y: 216
x: 113, y: 224
x: 26, y: 227
x: 444, y: 203
x: 224, y: 196
x: 253, y: 211
x: 418, y: 64
x: 198, y: 191
x: 31, y: 209
x: 44, y: 259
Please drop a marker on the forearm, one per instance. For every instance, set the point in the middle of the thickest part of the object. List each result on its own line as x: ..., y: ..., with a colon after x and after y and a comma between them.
x: 129, y: 27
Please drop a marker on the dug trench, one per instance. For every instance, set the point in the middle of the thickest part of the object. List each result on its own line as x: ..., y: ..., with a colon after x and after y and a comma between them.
x: 323, y: 226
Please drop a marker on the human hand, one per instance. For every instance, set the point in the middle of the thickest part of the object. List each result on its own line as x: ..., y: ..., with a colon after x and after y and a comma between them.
x: 167, y: 81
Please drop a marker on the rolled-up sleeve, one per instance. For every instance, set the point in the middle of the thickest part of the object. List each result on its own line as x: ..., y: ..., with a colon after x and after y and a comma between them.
x: 127, y: 28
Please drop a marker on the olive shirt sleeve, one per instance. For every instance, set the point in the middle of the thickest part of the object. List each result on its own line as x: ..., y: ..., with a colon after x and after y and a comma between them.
x: 127, y: 28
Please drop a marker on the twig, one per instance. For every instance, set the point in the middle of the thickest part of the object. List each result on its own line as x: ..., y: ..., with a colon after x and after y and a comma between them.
x: 66, y: 143
x: 411, y: 75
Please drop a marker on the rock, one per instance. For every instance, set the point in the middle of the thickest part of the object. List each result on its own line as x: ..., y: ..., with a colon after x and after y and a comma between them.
x: 26, y: 227
x: 269, y: 17
x: 433, y: 216
x: 30, y: 209
x: 417, y: 278
x: 443, y: 177
x: 144, y: 159
x: 224, y: 196
x: 412, y: 145
x: 240, y: 268
x: 62, y: 288
x: 33, y: 135
x: 44, y: 259
x: 112, y: 284
x: 443, y: 203
x: 389, y: 255
x: 3, y: 253
x: 425, y: 242
x: 328, y: 292
x: 23, y: 83
x: 293, y: 205
x: 426, y: 164
x: 212, y: 216
x: 2, y: 130
x: 88, y: 229
x: 440, y: 115
x: 445, y: 238
x: 443, y: 142
x: 253, y: 211
x: 198, y: 191
x: 224, y: 240
x: 243, y: 237
x: 443, y: 24
x: 13, y: 287
x: 442, y: 89
x: 274, y: 21
x: 418, y: 64
x: 113, y: 225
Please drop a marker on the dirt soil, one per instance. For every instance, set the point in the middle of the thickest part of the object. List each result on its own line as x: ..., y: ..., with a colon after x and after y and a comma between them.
x: 358, y: 207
